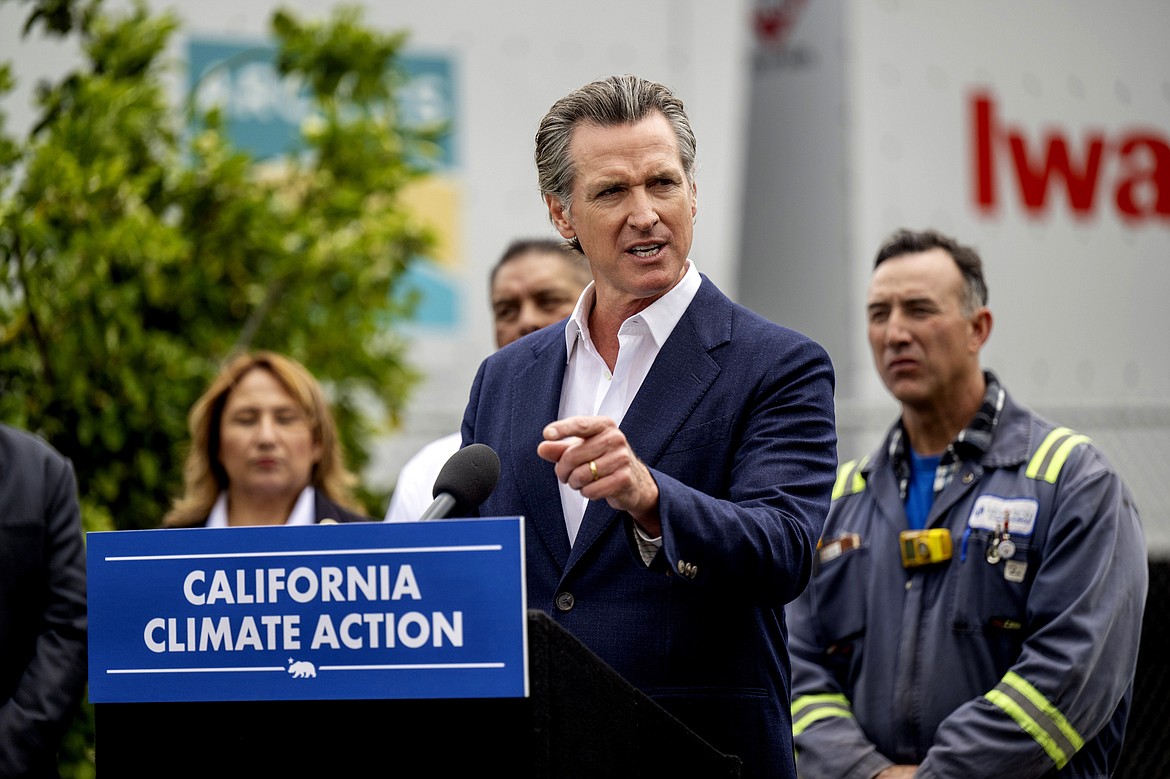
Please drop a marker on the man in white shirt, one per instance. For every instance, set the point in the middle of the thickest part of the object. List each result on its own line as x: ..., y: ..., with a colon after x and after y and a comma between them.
x: 534, y: 284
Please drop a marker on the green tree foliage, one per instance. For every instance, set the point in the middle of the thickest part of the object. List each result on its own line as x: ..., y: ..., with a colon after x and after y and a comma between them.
x: 135, y: 256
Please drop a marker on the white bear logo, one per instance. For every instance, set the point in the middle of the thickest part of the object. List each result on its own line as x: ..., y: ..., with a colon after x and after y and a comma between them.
x: 301, y: 669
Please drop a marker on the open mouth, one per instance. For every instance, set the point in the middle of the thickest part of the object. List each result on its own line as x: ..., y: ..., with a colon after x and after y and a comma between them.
x: 647, y: 251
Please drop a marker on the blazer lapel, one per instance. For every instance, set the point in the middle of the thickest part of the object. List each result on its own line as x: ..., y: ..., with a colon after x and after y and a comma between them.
x: 536, y: 397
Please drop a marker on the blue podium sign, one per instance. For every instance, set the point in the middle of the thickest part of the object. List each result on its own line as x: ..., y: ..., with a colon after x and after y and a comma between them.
x: 355, y: 611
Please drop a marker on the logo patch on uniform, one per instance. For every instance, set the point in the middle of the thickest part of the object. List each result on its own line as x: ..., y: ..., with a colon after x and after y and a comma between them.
x: 991, y: 512
x: 1014, y: 570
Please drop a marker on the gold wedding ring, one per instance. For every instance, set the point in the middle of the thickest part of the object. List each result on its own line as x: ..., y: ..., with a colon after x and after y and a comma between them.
x: 593, y: 470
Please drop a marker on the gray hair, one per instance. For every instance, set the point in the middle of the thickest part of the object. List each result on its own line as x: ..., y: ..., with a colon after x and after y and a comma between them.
x: 612, y: 101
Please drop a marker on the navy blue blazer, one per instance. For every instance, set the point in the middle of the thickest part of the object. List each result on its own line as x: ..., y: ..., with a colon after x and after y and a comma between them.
x: 736, y: 422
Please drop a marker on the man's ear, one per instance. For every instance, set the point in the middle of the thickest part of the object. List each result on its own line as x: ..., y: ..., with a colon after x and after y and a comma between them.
x: 980, y: 328
x: 559, y: 216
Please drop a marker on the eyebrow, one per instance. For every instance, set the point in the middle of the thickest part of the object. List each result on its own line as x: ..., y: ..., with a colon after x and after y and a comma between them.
x: 917, y: 299
x: 253, y: 407
x: 601, y: 185
x: 665, y: 172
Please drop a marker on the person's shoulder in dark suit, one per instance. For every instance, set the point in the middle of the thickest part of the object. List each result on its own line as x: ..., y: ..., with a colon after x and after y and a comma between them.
x: 43, y: 612
x: 327, y: 511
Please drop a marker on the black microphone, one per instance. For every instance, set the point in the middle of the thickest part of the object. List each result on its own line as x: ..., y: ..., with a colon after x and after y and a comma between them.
x: 464, y: 482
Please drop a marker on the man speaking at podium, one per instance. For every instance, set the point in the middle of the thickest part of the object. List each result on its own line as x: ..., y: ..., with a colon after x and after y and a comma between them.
x: 672, y: 453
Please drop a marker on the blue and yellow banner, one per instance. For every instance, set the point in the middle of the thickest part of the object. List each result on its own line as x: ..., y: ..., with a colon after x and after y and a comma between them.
x: 354, y: 611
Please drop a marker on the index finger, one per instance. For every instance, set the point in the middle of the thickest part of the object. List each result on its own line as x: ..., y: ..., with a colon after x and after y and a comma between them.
x: 582, y: 427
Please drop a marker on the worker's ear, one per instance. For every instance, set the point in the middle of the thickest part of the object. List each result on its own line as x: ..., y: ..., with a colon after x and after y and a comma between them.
x: 981, y: 322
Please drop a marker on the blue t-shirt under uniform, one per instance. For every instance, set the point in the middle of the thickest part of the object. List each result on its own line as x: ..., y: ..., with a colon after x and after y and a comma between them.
x: 920, y: 491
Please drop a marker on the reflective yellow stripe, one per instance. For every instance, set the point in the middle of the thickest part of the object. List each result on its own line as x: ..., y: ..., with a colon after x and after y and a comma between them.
x: 1038, y: 717
x: 1061, y: 455
x: 844, y: 471
x: 849, y: 478
x: 808, y: 709
x: 1060, y: 442
x: 802, y: 702
x: 1042, y: 452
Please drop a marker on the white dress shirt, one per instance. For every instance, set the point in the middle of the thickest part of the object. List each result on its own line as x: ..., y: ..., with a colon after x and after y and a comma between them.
x: 590, y: 389
x: 303, y: 512
x: 414, y: 492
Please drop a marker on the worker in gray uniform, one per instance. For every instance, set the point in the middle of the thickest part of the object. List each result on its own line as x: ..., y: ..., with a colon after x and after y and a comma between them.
x: 976, y: 602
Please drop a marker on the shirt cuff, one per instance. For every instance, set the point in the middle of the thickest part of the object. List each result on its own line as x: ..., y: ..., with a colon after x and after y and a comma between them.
x: 647, y: 546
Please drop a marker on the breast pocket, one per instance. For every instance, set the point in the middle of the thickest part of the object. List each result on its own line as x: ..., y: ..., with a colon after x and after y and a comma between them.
x: 699, y: 456
x: 991, y: 590
x: 714, y: 431
x: 839, y: 596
